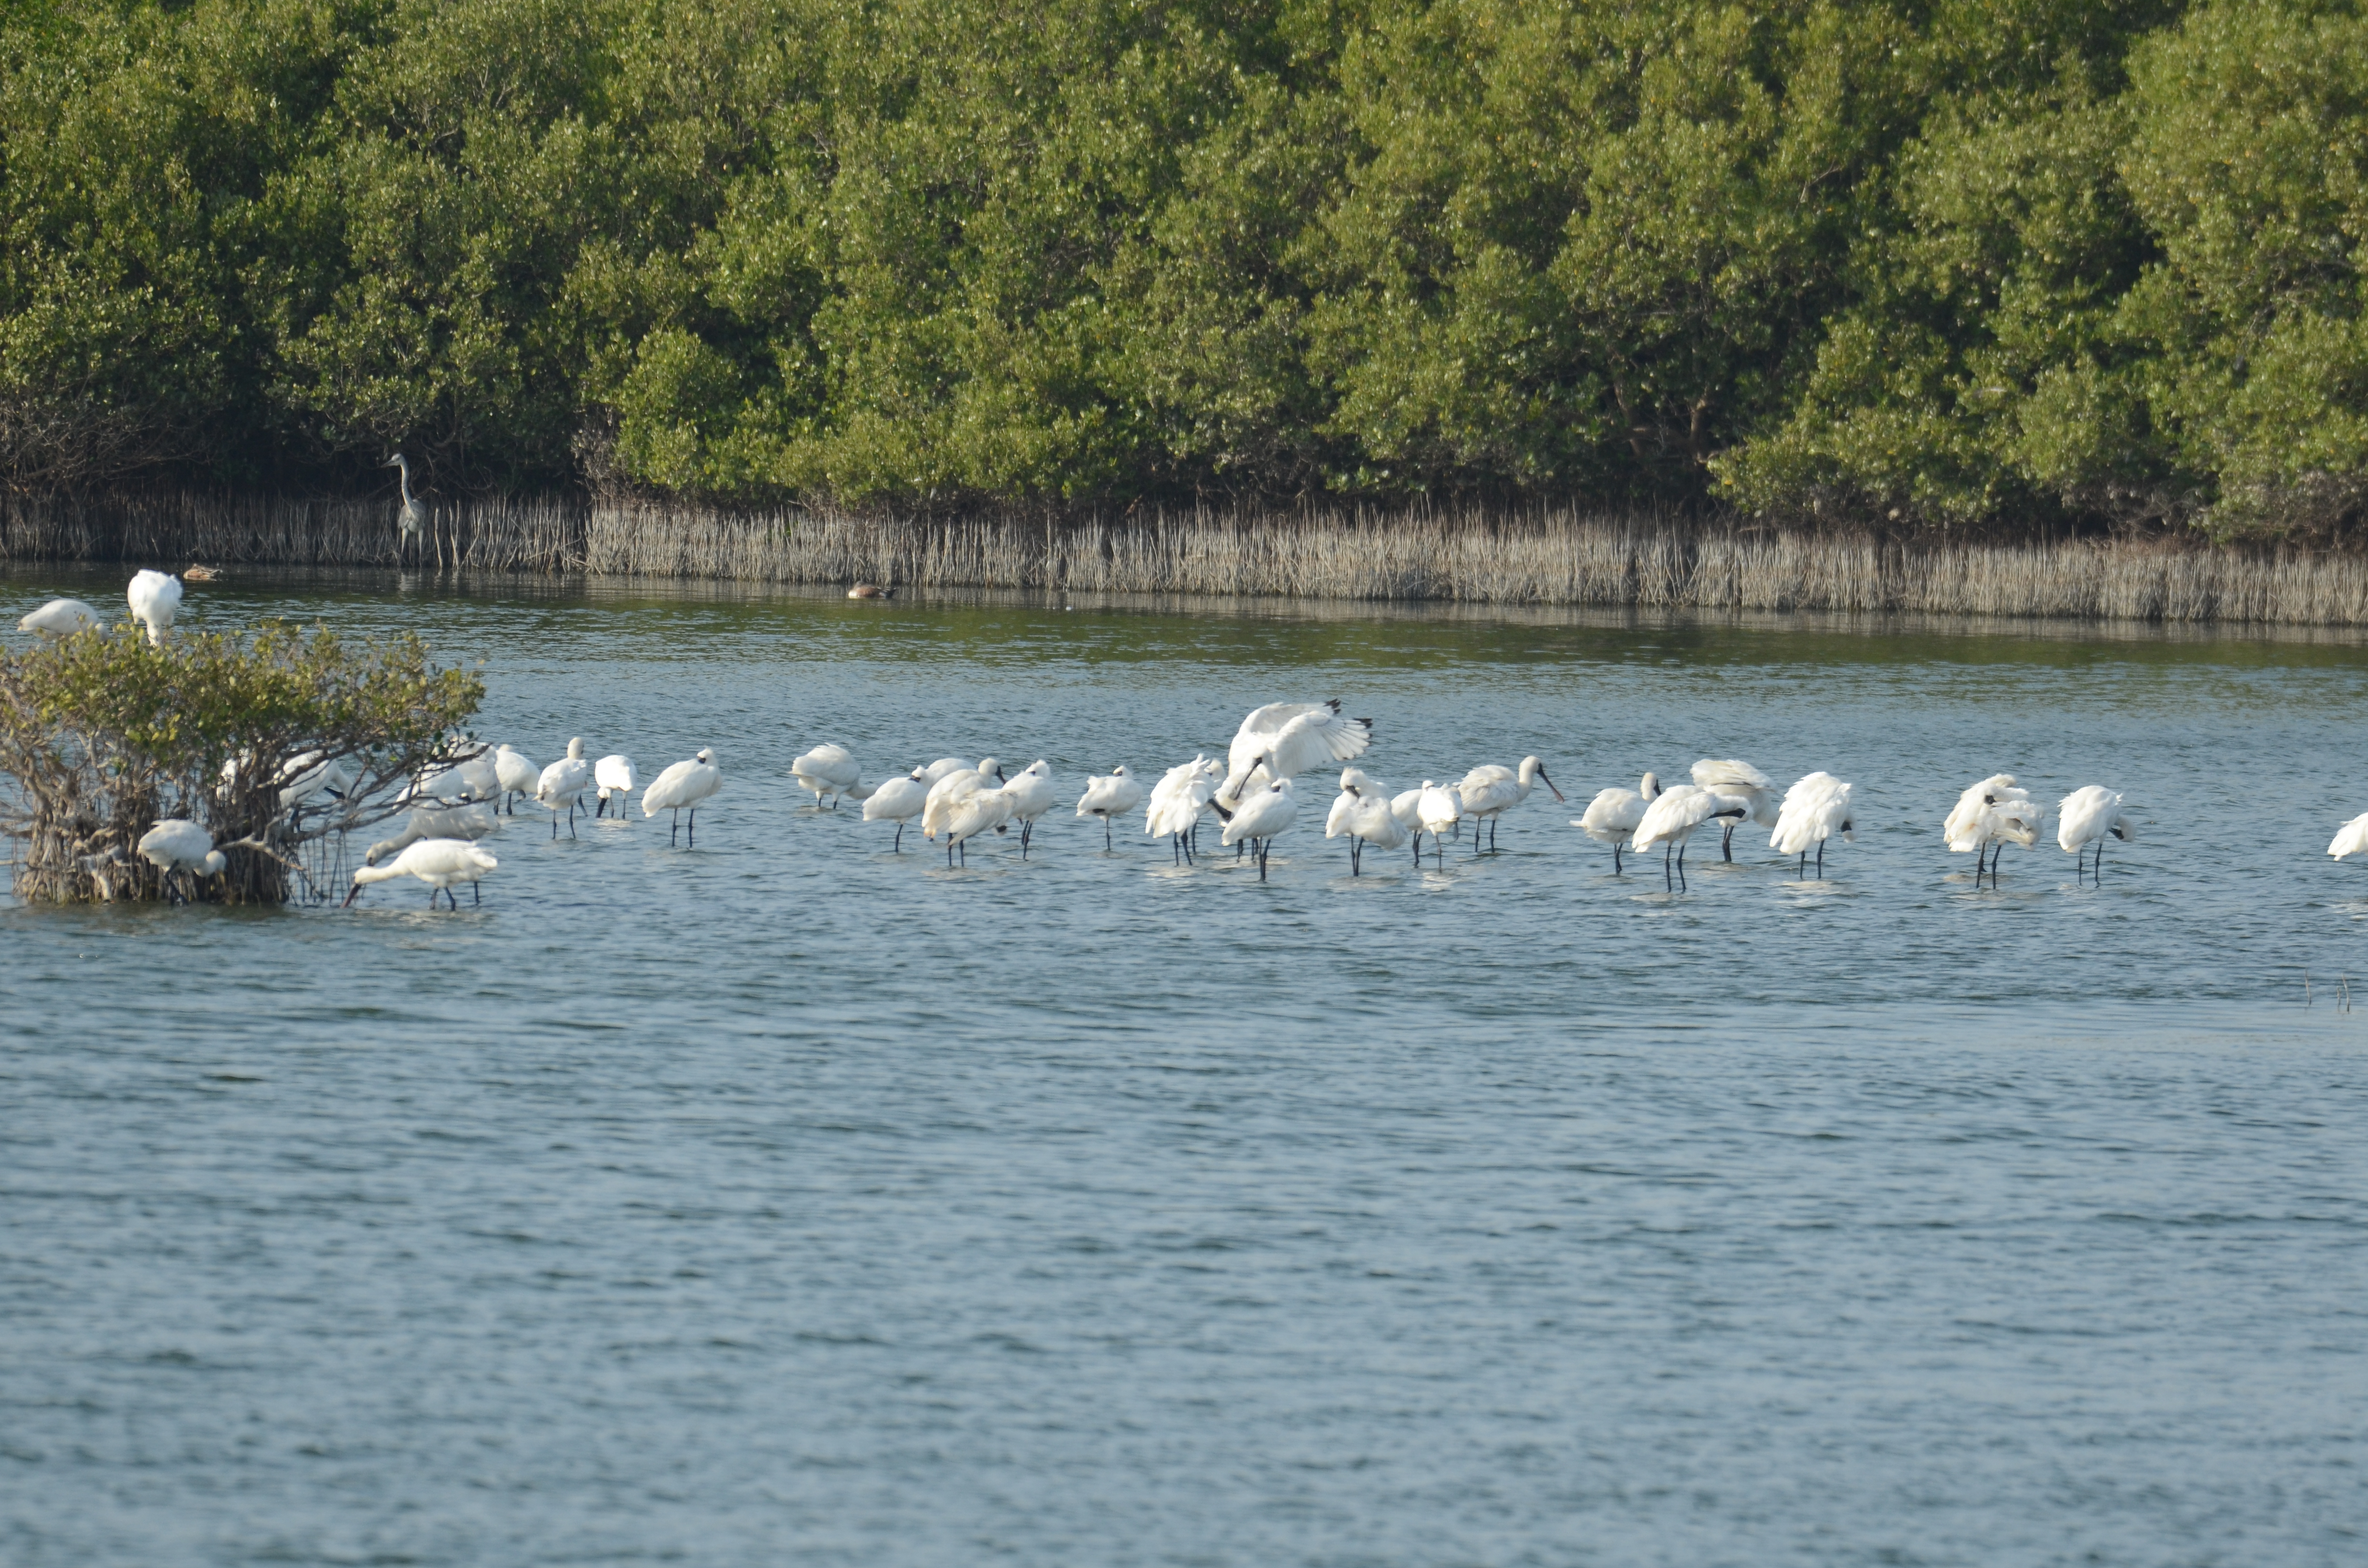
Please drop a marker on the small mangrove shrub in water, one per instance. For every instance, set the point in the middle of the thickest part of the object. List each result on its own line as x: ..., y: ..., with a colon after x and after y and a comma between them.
x: 278, y: 742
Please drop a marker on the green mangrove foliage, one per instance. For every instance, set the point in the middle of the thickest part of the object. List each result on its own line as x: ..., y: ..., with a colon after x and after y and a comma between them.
x: 1952, y: 263
x: 272, y: 741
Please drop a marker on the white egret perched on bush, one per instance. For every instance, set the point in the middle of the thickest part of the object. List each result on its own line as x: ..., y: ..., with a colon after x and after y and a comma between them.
x: 1108, y: 795
x: 155, y: 597
x: 441, y: 863
x: 683, y: 785
x: 1613, y: 816
x: 1814, y: 809
x: 60, y: 618
x: 1492, y: 789
x: 413, y: 519
x: 898, y: 800
x: 2090, y: 815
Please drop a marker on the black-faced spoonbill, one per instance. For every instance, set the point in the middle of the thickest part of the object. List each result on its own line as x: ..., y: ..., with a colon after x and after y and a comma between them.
x: 1986, y: 817
x: 1439, y: 809
x: 827, y: 770
x: 1289, y: 738
x: 2351, y: 838
x: 2089, y: 815
x: 613, y: 777
x: 1674, y: 814
x: 1737, y: 780
x: 1814, y: 809
x: 175, y: 844
x: 1613, y: 816
x: 1029, y: 793
x: 481, y: 820
x: 156, y: 598
x: 1406, y: 806
x: 1362, y: 812
x: 684, y: 784
x: 515, y: 774
x: 1179, y: 802
x: 968, y: 810
x: 1259, y: 818
x: 441, y: 863
x: 898, y: 800
x: 1108, y: 795
x: 956, y: 782
x: 1492, y: 789
x: 60, y: 618
x: 562, y: 786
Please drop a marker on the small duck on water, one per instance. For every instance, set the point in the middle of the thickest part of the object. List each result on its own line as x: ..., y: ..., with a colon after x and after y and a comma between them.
x: 870, y: 591
x: 202, y: 574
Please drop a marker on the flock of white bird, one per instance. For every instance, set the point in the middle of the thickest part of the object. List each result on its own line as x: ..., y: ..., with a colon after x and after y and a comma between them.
x: 1252, y: 794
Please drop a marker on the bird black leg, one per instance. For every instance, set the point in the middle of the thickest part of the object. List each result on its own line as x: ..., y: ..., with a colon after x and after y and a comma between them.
x: 1669, y: 882
x: 1106, y: 837
x: 1615, y: 859
x: 899, y: 849
x: 571, y: 819
x: 694, y: 827
x: 674, y: 831
x: 1727, y: 843
x: 476, y: 894
x: 1821, y: 859
x: 554, y: 824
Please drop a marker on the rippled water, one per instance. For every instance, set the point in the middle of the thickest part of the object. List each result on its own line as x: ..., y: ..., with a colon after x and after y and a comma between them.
x: 786, y: 1199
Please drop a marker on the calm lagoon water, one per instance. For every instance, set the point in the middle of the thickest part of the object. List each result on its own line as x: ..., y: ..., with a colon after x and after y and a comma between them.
x: 790, y: 1200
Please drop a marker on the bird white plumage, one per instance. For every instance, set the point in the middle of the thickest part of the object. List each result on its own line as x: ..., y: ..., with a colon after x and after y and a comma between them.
x: 562, y: 786
x: 1437, y: 810
x: 1491, y: 789
x: 1674, y: 814
x: 1110, y: 796
x: 480, y: 820
x: 827, y: 770
x: 442, y: 863
x: 898, y: 800
x: 1362, y: 812
x: 156, y: 598
x: 950, y: 787
x: 2089, y: 815
x: 1289, y: 738
x: 1988, y: 815
x: 60, y: 618
x: 1266, y: 813
x: 176, y: 845
x: 1613, y: 816
x: 613, y: 777
x: 1816, y: 807
x: 2351, y: 838
x: 1030, y: 792
x: 681, y: 787
x: 1737, y: 780
x: 1179, y: 799
x: 515, y: 773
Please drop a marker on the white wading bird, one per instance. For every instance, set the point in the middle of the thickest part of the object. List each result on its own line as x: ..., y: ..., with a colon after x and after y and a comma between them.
x: 683, y: 784
x: 1988, y: 814
x: 2089, y: 815
x: 1287, y: 739
x: 1264, y: 814
x: 827, y: 770
x: 969, y: 810
x: 1437, y: 810
x: 307, y: 777
x: 441, y: 863
x: 2351, y: 838
x: 154, y: 599
x: 1029, y: 793
x: 60, y: 618
x: 1179, y: 799
x: 1674, y: 814
x: 1491, y: 789
x: 898, y: 800
x: 562, y: 786
x: 956, y: 782
x: 1738, y: 781
x: 1406, y: 806
x: 515, y: 774
x: 1814, y: 809
x: 473, y: 774
x: 1362, y: 812
x: 471, y: 823
x: 1108, y: 795
x: 936, y: 771
x: 1613, y: 815
x: 175, y: 844
x: 613, y: 777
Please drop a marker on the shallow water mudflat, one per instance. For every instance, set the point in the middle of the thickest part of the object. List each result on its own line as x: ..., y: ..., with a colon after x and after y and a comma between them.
x: 787, y: 1199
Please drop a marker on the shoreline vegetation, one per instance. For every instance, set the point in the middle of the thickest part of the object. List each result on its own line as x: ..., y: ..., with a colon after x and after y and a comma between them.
x: 1545, y: 556
x: 1925, y: 269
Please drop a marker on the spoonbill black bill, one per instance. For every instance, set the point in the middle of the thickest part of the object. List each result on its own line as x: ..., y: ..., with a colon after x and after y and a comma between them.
x: 1737, y: 780
x: 442, y: 863
x: 1673, y: 816
x: 613, y: 777
x: 1491, y: 789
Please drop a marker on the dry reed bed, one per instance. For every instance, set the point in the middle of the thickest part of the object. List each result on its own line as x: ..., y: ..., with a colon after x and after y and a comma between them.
x: 1544, y: 558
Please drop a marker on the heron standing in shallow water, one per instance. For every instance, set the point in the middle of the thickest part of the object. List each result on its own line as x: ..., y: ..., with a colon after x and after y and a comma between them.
x: 412, y: 521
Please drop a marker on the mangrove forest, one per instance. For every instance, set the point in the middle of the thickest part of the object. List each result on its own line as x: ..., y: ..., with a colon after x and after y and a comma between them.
x: 2000, y: 267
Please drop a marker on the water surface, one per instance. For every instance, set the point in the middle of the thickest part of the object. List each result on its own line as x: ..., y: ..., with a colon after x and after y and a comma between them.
x: 790, y: 1200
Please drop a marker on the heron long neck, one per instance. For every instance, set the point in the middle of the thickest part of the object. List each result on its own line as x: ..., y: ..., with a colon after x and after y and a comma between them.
x: 404, y: 463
